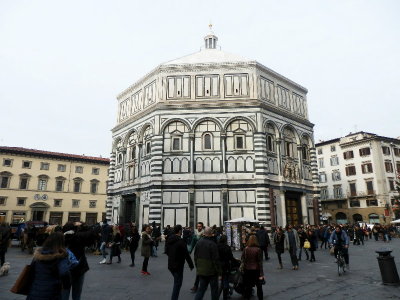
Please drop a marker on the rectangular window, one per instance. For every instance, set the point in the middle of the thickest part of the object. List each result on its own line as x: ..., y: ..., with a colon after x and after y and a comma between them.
x: 324, y: 193
x: 335, y: 175
x: 366, y: 168
x: 95, y: 171
x: 322, y: 177
x: 59, y: 185
x: 333, y: 148
x: 353, y: 190
x: 337, y: 192
x: 354, y: 203
x: 61, y: 168
x: 75, y: 203
x: 365, y: 151
x: 23, y: 184
x: 5, y: 180
x: 3, y: 200
x: 370, y: 188
x: 78, y: 169
x: 348, y: 154
x: 321, y: 162
x: 334, y: 161
x: 92, y: 203
x: 239, y: 142
x: 385, y: 150
x: 350, y: 171
x: 388, y: 167
x: 7, y: 162
x: 26, y: 164
x: 44, y: 166
x: 372, y: 202
x: 176, y: 143
x: 42, y: 184
x: 391, y: 185
x: 398, y: 167
x: 21, y: 201
x: 57, y: 202
x: 396, y: 151
x: 77, y: 186
x: 74, y: 217
x: 93, y: 187
x: 319, y: 150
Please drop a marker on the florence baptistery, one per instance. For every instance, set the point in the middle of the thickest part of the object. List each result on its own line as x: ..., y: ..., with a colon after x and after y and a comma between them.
x: 211, y: 137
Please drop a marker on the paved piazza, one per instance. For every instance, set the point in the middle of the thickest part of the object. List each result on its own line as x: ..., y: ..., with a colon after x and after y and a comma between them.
x: 317, y: 280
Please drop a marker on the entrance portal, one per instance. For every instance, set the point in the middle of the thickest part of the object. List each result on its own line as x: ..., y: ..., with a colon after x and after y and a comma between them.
x: 293, y: 208
x: 128, y: 209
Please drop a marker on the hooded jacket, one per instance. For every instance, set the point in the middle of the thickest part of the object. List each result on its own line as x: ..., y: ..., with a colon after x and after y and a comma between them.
x: 47, y: 280
x: 177, y: 254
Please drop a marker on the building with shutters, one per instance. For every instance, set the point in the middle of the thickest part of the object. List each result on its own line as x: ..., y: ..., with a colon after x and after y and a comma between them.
x: 357, y: 176
x: 52, y: 187
x: 210, y: 137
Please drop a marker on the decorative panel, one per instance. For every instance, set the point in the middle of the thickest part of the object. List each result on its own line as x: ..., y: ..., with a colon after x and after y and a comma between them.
x: 150, y: 94
x: 266, y: 89
x: 178, y: 87
x: 207, y: 86
x: 236, y: 85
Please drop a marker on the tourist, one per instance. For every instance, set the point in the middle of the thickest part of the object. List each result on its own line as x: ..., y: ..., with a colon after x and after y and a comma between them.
x: 197, y: 235
x: 263, y: 241
x: 115, y: 245
x: 106, y: 234
x: 253, y: 273
x: 292, y: 243
x: 311, y: 237
x: 226, y: 259
x: 302, y: 237
x: 5, y: 235
x: 177, y: 254
x: 133, y: 243
x: 147, y: 244
x: 207, y: 263
x: 279, y: 241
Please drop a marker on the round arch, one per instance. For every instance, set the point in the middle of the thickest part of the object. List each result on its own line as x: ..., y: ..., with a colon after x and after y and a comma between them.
x: 251, y: 123
x: 373, y: 218
x: 309, y: 139
x: 116, y: 142
x: 357, y: 218
x: 198, y: 122
x: 274, y: 126
x: 143, y: 129
x: 341, y: 218
x: 166, y: 123
x: 296, y: 134
x: 127, y: 136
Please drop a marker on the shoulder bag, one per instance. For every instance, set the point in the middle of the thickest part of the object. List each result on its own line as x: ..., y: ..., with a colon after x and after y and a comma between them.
x: 307, y: 244
x: 24, y: 280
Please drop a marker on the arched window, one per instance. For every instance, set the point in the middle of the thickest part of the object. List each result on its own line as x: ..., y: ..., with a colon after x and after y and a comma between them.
x: 341, y: 218
x: 147, y: 141
x: 373, y: 218
x: 133, y: 152
x: 289, y: 142
x: 270, y: 138
x: 132, y: 144
x: 207, y: 141
x: 357, y: 218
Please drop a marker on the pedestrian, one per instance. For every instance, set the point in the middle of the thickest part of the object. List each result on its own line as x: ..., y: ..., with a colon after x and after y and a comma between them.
x: 5, y: 235
x: 279, y: 241
x: 253, y: 273
x: 292, y: 243
x: 302, y: 236
x: 133, y: 243
x: 49, y: 276
x: 226, y: 260
x: 197, y: 235
x: 147, y: 244
x: 207, y: 264
x: 115, y: 245
x: 177, y: 254
x: 156, y: 236
x: 78, y: 236
x: 263, y: 241
x: 311, y: 237
x: 105, y: 239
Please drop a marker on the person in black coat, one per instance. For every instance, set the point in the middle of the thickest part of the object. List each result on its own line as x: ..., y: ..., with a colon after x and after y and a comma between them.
x: 5, y: 235
x: 263, y: 241
x: 226, y: 260
x: 133, y: 243
x: 77, y: 237
x: 177, y: 254
x: 115, y: 245
x: 279, y: 241
x: 312, y: 238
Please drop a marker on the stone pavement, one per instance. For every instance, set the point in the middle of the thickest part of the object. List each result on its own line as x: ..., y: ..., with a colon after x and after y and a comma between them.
x: 318, y: 280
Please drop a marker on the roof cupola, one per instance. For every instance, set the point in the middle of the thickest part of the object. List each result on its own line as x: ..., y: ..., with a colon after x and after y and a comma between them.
x: 211, y: 39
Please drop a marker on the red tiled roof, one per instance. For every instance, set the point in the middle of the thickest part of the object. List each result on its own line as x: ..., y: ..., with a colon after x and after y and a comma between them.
x: 20, y: 150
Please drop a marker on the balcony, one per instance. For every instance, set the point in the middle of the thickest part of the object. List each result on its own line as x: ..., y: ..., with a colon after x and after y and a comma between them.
x: 361, y: 194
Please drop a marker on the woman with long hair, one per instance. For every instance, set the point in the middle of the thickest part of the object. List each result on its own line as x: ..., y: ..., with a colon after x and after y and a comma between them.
x: 115, y: 245
x: 48, y: 276
x: 133, y: 243
x: 147, y: 244
x: 279, y: 241
x: 311, y: 237
x: 253, y: 273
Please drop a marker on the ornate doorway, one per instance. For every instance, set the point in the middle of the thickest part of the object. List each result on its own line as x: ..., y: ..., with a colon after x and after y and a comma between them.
x: 293, y: 208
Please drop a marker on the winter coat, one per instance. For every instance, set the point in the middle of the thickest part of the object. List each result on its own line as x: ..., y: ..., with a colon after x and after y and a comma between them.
x: 296, y: 237
x: 226, y: 258
x: 115, y: 246
x: 333, y: 239
x: 263, y: 238
x: 177, y: 254
x: 312, y: 239
x: 147, y: 244
x: 106, y: 233
x: 206, y: 258
x: 47, y: 279
x: 279, y: 241
x: 302, y: 237
x: 252, y: 258
x: 134, y: 242
x: 5, y: 235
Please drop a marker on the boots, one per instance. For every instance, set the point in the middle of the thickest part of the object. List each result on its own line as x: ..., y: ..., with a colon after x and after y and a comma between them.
x: 280, y: 266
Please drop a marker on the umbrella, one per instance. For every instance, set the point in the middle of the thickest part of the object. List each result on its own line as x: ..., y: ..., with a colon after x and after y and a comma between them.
x: 242, y: 220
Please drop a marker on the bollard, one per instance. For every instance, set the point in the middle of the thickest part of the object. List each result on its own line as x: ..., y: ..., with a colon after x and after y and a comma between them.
x: 387, y: 267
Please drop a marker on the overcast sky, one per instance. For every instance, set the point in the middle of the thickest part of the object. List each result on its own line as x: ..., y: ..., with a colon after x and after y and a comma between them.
x: 62, y: 63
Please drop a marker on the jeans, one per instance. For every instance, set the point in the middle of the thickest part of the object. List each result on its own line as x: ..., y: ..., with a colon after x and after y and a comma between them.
x: 293, y: 257
x: 265, y: 250
x: 178, y: 278
x: 103, y: 249
x: 133, y: 250
x: 204, y: 281
x: 76, y: 286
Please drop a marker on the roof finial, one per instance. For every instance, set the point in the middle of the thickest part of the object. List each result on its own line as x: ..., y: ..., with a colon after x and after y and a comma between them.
x: 211, y: 39
x: 210, y: 26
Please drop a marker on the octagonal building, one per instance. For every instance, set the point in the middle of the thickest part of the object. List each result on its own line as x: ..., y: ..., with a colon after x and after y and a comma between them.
x: 210, y: 137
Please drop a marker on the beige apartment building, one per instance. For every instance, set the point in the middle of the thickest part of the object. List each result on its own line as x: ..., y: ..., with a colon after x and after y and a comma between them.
x: 53, y: 187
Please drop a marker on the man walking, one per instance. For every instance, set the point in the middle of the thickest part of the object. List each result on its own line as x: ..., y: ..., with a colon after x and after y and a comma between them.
x: 263, y: 241
x: 105, y: 239
x: 177, y: 254
x: 206, y: 259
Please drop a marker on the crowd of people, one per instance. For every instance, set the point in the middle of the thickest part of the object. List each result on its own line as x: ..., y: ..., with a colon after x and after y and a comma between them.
x: 60, y: 262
